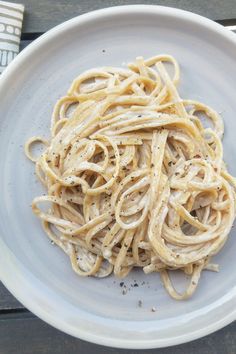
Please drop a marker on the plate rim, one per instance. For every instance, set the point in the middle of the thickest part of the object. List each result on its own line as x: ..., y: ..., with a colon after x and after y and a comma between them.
x: 102, y: 339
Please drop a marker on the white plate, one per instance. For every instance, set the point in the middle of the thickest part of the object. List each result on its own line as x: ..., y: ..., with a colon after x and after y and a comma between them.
x: 39, y: 274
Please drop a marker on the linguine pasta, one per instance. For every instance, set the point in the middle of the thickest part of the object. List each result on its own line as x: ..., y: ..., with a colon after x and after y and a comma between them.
x: 133, y: 176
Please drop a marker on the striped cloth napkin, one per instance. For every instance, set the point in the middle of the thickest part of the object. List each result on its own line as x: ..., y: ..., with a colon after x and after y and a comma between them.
x: 11, y: 17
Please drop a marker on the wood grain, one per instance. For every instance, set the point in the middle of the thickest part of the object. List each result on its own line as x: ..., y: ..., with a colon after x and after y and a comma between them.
x: 41, y: 15
x: 7, y: 301
x: 26, y: 334
x: 24, y: 44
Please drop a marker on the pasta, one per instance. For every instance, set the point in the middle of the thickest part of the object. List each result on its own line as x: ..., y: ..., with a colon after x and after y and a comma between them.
x: 134, y: 177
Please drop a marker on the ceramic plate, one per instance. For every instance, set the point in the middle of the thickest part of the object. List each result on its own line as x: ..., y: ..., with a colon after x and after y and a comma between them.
x: 38, y: 273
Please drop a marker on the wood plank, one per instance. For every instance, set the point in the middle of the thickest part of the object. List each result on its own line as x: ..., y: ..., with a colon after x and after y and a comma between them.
x: 8, y: 301
x: 42, y: 15
x: 24, y: 44
x: 26, y: 334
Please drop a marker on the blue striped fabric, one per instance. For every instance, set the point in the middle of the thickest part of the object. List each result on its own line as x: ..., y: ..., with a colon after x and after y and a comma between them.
x: 11, y: 17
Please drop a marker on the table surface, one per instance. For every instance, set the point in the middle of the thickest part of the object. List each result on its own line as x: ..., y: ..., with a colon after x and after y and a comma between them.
x: 20, y: 331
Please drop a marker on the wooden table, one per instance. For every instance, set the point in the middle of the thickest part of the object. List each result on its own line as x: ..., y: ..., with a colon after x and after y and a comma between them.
x: 20, y: 331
